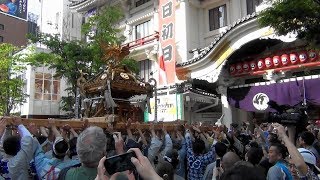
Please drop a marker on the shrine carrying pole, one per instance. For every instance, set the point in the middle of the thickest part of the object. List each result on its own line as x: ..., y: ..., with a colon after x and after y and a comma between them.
x: 104, y: 122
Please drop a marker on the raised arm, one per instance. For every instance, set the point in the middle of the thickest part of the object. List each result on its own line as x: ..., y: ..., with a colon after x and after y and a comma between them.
x: 143, y: 138
x: 154, y: 146
x: 118, y: 142
x: 73, y: 132
x: 128, y: 126
x: 23, y: 131
x: 202, y: 136
x: 296, y: 157
x: 6, y: 131
x: 3, y: 125
x: 43, y: 131
x: 168, y: 141
x: 183, y: 150
x: 33, y: 129
x: 188, y: 142
x: 260, y: 131
x: 28, y: 146
x: 54, y: 129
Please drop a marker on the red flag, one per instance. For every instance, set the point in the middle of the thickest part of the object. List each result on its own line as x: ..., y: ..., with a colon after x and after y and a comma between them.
x: 162, y: 67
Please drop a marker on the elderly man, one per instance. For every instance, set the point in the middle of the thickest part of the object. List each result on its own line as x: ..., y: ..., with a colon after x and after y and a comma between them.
x: 91, y: 147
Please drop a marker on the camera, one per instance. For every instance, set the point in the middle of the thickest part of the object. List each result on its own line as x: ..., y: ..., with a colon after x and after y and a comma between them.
x: 286, y: 114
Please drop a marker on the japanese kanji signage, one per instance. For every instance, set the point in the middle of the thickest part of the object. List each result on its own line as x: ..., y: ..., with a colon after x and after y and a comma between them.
x: 167, y: 36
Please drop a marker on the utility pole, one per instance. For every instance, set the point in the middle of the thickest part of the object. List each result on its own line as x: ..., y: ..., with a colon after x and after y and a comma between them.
x: 154, y: 81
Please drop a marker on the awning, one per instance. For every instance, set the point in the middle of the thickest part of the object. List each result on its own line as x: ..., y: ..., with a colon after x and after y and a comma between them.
x: 196, y: 97
x: 254, y: 97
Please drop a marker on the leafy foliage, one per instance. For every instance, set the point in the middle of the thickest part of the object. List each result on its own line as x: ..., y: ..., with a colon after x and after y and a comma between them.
x: 301, y: 17
x: 131, y: 64
x: 11, y: 84
x: 69, y: 58
x: 104, y: 25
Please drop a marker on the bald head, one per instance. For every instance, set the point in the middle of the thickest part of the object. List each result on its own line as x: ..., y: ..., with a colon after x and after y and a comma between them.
x: 229, y: 159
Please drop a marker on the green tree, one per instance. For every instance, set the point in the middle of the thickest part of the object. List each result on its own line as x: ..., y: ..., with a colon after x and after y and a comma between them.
x: 69, y: 58
x: 104, y: 25
x: 11, y: 84
x: 297, y: 16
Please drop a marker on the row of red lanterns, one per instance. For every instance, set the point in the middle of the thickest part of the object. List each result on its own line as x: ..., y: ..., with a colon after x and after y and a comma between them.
x: 274, y: 62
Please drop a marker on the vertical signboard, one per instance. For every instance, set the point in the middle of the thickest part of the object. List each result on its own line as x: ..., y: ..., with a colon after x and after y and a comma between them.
x: 17, y: 8
x: 167, y: 37
x: 170, y: 108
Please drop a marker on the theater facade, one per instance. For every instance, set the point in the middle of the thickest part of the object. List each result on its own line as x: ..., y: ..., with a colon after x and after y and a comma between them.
x: 252, y: 66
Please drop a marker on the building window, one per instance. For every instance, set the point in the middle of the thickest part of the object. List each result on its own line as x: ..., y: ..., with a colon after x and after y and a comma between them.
x: 32, y: 28
x: 83, y: 20
x: 217, y: 17
x: 47, y: 87
x: 140, y: 2
x: 1, y: 27
x: 1, y: 38
x: 145, y: 69
x: 252, y: 5
x: 143, y: 30
x: 72, y: 20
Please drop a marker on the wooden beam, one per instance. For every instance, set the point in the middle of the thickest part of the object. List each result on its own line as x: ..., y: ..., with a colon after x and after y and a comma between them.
x: 75, y: 123
x: 104, y: 122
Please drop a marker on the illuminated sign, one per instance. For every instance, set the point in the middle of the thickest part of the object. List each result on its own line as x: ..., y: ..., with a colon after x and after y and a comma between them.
x: 17, y: 8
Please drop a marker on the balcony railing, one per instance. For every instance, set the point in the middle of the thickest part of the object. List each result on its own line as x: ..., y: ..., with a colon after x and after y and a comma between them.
x: 143, y: 41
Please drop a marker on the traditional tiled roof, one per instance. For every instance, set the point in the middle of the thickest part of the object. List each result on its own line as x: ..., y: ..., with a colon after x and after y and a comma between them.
x: 202, y: 92
x: 78, y: 2
x: 198, y: 86
x: 206, y: 50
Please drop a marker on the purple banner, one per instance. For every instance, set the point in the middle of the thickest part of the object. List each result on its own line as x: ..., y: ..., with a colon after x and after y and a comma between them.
x: 255, y: 98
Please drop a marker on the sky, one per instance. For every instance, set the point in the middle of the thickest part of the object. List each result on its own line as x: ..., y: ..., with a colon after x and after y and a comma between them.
x: 34, y: 10
x: 49, y: 9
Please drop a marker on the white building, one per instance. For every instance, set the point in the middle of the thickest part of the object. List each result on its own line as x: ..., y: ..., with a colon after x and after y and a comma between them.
x: 44, y: 90
x: 206, y: 39
x: 196, y: 24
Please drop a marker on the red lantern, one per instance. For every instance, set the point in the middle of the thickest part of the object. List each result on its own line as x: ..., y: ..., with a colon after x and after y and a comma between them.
x: 285, y: 59
x: 261, y: 64
x: 303, y: 57
x: 268, y: 62
x: 232, y: 69
x: 245, y: 67
x: 239, y: 68
x: 276, y: 61
x: 312, y: 55
x: 253, y: 65
x: 293, y: 58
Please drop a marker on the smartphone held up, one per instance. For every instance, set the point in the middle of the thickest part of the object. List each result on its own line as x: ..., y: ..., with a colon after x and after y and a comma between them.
x: 120, y: 163
x: 218, y: 161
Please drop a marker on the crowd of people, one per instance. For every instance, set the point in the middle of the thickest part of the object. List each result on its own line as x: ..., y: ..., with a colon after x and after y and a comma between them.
x: 270, y: 151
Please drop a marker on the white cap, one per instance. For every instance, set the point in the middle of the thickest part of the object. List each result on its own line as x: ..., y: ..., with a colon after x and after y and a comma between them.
x: 308, y: 156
